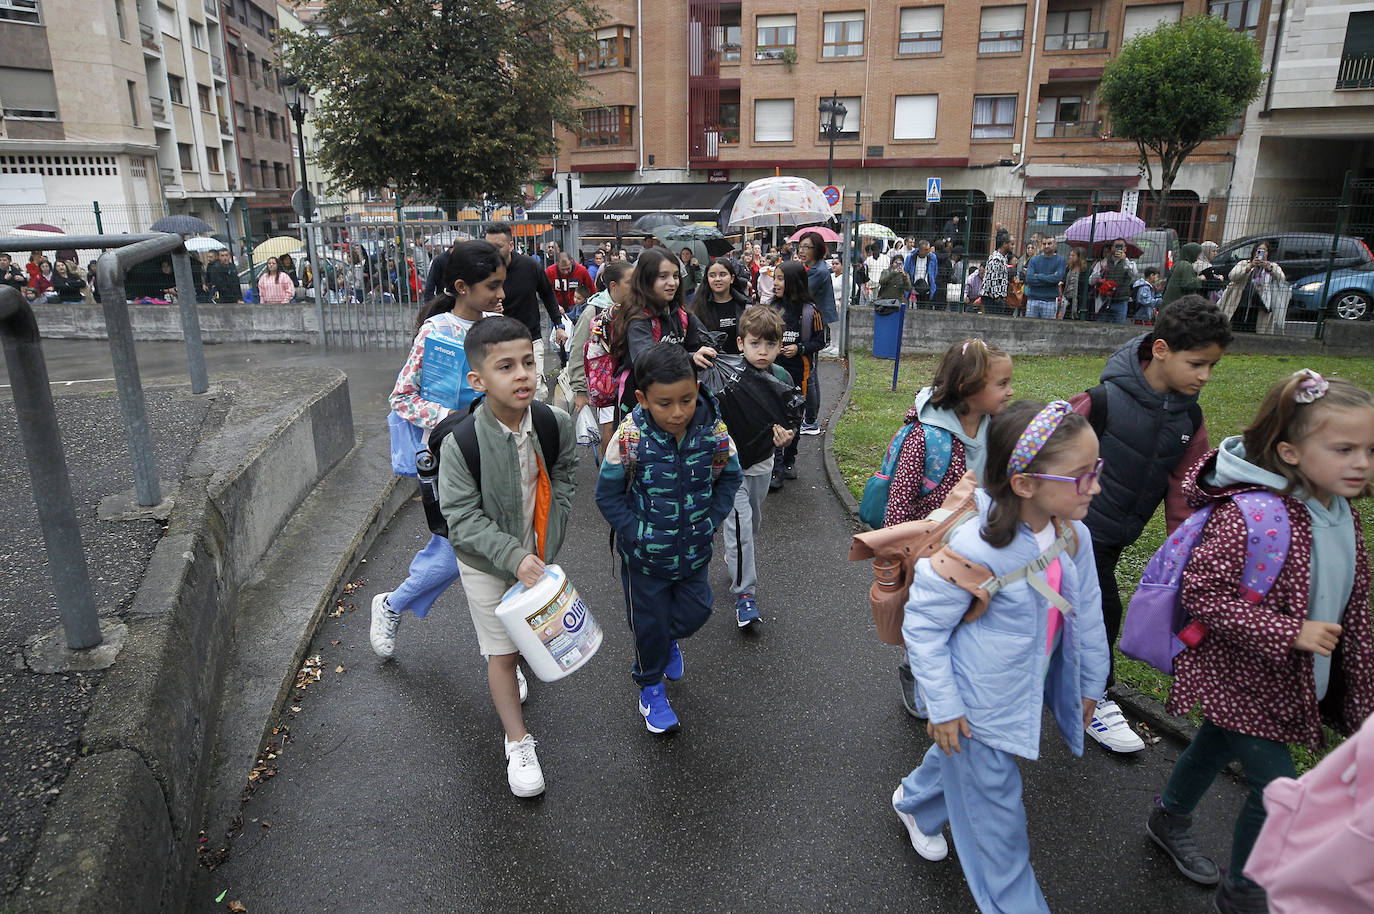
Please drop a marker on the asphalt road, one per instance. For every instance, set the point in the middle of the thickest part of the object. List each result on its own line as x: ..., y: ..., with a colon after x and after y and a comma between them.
x: 390, y: 792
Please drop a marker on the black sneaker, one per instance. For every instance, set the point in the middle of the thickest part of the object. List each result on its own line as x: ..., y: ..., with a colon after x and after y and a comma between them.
x: 1172, y: 833
x: 775, y: 481
x: 789, y: 470
x: 910, y: 700
x: 1240, y: 898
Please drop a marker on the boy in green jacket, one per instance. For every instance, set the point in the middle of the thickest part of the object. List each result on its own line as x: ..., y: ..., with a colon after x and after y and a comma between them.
x: 507, y: 529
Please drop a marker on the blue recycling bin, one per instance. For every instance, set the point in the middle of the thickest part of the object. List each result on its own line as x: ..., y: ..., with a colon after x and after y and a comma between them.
x: 887, y: 328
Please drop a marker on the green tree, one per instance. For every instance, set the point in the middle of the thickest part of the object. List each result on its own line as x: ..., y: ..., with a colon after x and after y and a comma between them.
x: 1173, y: 88
x: 445, y: 99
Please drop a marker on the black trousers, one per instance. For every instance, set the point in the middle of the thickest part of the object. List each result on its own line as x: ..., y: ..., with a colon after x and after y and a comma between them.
x: 1107, y: 558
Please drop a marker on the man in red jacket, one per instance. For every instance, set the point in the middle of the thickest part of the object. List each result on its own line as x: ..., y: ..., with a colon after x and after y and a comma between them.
x: 566, y: 275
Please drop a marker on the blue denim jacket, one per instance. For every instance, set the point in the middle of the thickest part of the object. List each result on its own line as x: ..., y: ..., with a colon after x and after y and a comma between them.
x: 992, y: 670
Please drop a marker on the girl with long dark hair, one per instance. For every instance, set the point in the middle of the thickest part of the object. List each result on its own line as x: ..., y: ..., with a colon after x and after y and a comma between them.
x: 718, y: 304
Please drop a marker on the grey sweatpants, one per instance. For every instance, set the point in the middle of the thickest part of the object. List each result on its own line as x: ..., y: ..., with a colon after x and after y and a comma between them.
x: 742, y: 526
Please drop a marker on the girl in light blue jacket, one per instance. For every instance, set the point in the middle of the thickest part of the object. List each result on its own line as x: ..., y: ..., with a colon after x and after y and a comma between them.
x: 985, y: 681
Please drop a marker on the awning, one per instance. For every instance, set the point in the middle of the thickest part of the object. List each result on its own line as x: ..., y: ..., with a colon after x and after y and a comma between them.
x: 689, y: 202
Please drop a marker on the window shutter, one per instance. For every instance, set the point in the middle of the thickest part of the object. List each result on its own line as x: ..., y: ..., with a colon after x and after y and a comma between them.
x: 923, y: 19
x: 773, y: 120
x: 777, y: 22
x: 1003, y: 19
x: 27, y: 90
x: 1359, y: 35
x: 853, y: 16
x: 914, y: 118
x: 1141, y: 19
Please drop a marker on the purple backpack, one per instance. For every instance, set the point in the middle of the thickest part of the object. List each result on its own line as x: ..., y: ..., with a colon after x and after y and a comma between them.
x: 1157, y: 627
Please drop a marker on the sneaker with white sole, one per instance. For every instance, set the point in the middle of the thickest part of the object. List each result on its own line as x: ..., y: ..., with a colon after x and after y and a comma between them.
x: 747, y: 611
x: 524, y: 685
x: 1110, y: 728
x: 911, y: 696
x: 658, y: 714
x: 931, y: 847
x: 810, y: 428
x: 675, y: 668
x: 522, y: 768
x: 384, y: 625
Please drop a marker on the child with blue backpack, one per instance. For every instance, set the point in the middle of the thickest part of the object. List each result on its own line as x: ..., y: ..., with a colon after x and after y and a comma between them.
x: 1277, y: 587
x: 667, y: 482
x: 987, y: 670
x: 972, y: 384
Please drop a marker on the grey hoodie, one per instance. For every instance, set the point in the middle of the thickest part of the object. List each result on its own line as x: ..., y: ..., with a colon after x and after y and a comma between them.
x: 975, y: 448
x: 1333, y: 542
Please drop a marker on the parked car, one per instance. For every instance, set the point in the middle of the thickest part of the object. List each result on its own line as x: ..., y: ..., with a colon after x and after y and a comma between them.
x: 1298, y: 254
x: 1349, y: 296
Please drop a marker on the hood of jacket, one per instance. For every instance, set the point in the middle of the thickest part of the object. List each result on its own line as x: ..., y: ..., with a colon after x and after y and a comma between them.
x: 601, y: 300
x: 1123, y: 369
x: 1190, y: 252
x: 1225, y: 471
x: 975, y: 448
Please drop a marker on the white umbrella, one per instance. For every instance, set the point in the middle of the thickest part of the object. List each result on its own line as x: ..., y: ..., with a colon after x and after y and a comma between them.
x: 200, y: 243
x: 781, y: 200
x: 874, y: 230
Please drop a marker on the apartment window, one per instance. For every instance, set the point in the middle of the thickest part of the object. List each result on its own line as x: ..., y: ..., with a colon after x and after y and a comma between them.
x: 212, y: 159
x: 773, y: 35
x: 252, y: 65
x: 233, y: 52
x: 167, y: 21
x: 773, y: 120
x: 21, y: 11
x: 729, y: 34
x: 257, y: 121
x: 28, y: 93
x: 1357, y: 55
x: 612, y: 50
x: 1142, y: 19
x: 133, y: 100
x: 914, y: 117
x: 921, y: 30
x: 241, y: 116
x: 1064, y: 116
x: 1002, y: 30
x: 1240, y: 15
x: 279, y: 174
x: 176, y: 90
x: 272, y: 125
x: 264, y: 171
x: 1069, y: 30
x: 269, y: 77
x: 186, y: 157
x: 842, y: 35
x: 607, y: 126
x: 248, y: 172
x: 203, y: 95
x: 727, y: 117
x: 994, y: 116
x: 197, y: 35
x: 119, y: 20
x: 852, y: 118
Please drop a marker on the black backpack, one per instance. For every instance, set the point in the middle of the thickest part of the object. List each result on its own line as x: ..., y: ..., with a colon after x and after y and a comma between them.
x: 463, y: 428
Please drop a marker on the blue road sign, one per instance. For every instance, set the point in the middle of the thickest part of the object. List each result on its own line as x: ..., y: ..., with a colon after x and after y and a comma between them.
x: 932, y: 190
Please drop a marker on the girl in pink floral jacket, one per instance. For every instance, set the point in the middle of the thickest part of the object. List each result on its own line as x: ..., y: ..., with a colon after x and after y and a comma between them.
x: 1268, y: 673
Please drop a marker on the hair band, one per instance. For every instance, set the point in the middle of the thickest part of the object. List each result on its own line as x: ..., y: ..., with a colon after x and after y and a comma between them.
x: 964, y: 349
x: 1036, y: 434
x: 1311, y: 387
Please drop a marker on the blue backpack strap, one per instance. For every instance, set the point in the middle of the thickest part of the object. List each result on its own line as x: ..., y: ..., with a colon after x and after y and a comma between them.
x: 939, y: 453
x: 1268, y: 534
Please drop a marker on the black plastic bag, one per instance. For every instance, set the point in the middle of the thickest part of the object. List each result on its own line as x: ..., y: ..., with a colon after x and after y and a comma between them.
x: 751, y: 403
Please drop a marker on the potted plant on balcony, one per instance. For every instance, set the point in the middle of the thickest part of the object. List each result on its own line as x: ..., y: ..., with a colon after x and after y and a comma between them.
x: 789, y: 57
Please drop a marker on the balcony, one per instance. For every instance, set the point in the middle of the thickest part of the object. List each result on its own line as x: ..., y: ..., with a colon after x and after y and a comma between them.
x: 159, y: 108
x: 1067, y: 130
x: 773, y: 52
x: 217, y: 66
x: 1077, y: 41
x: 1356, y: 72
x: 168, y: 176
x: 224, y: 128
x: 149, y: 35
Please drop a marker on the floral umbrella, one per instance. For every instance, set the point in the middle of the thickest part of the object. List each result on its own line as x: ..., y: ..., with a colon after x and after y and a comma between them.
x: 874, y: 230
x: 781, y: 200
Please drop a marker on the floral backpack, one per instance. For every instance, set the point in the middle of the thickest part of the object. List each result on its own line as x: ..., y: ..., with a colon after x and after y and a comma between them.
x: 605, y: 378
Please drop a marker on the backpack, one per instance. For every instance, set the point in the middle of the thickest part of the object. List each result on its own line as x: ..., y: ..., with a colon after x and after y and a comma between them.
x: 896, y: 550
x: 1157, y: 627
x: 605, y: 378
x: 463, y: 427
x: 939, y: 451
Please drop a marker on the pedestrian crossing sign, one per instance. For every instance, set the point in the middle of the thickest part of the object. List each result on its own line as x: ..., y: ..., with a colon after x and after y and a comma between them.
x: 932, y: 190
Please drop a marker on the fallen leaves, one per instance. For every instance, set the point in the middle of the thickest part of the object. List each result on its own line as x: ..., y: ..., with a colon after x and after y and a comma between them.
x: 339, y: 668
x: 236, y: 907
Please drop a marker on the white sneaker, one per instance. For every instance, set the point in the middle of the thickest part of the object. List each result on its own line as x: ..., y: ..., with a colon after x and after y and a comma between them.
x: 522, y: 768
x: 524, y: 686
x: 1110, y: 728
x: 931, y: 847
x: 384, y: 625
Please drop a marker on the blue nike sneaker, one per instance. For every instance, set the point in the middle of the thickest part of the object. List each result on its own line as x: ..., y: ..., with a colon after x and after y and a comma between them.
x: 673, y: 671
x: 658, y: 714
x: 747, y: 611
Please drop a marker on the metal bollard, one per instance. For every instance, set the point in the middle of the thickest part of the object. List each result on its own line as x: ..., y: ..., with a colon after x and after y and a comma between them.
x: 110, y: 277
x: 52, y: 490
x: 190, y: 321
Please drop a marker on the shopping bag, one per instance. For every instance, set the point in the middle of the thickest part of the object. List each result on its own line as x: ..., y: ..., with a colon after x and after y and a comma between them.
x: 406, y: 439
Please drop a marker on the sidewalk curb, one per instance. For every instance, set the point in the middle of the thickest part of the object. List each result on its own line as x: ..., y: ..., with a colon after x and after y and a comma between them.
x: 832, y: 469
x: 121, y: 835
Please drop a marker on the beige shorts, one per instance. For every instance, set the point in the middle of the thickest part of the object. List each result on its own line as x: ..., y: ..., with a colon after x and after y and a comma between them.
x: 484, y: 593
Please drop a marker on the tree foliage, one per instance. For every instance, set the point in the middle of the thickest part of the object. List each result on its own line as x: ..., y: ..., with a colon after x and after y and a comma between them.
x: 444, y: 99
x: 1173, y: 88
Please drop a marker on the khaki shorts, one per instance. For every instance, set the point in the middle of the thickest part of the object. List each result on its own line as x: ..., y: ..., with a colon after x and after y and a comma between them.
x: 484, y: 593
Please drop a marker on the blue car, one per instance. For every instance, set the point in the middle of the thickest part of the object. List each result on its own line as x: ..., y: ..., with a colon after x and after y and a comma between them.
x: 1349, y: 297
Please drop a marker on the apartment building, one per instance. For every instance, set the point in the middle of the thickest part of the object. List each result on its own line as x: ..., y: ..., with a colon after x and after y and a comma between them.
x: 1314, y: 119
x: 123, y: 103
x: 997, y: 100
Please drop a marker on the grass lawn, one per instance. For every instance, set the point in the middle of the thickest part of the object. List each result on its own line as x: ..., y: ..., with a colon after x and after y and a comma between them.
x: 1228, y: 404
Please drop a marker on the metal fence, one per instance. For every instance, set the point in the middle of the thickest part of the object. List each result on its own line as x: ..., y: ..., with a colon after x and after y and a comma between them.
x: 94, y: 218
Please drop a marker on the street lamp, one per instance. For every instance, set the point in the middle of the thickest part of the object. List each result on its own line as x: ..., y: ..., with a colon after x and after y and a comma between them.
x: 295, y: 91
x: 832, y: 122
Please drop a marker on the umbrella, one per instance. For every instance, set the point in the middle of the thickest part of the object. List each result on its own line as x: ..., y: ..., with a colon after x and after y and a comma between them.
x: 181, y: 225
x: 874, y: 230
x: 782, y: 200
x: 650, y: 221
x: 698, y: 248
x: 36, y: 228
x: 1107, y: 226
x: 706, y: 241
x: 204, y: 244
x: 829, y: 236
x: 275, y: 247
x: 665, y: 233
x: 447, y: 237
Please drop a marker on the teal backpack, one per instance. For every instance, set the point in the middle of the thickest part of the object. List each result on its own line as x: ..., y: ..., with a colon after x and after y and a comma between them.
x: 939, y: 452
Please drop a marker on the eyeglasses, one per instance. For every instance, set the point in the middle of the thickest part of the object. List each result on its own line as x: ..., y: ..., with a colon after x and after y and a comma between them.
x: 1082, y: 484
x: 805, y: 245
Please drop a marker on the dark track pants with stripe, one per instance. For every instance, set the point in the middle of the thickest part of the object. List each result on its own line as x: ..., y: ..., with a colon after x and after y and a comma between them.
x: 660, y: 612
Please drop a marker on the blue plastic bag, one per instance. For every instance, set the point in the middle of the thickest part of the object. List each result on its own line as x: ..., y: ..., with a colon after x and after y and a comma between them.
x: 406, y: 439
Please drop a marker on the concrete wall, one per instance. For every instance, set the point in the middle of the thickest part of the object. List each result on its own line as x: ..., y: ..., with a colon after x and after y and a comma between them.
x: 218, y: 323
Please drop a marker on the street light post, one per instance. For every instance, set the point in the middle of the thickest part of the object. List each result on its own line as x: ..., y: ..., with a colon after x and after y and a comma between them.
x: 295, y: 92
x: 832, y: 122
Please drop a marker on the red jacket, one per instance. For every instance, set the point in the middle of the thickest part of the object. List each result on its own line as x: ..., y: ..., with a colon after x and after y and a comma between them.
x: 563, y: 285
x: 1245, y: 673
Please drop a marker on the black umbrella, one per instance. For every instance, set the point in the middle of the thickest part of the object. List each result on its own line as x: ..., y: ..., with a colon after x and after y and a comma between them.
x: 181, y: 225
x: 650, y: 221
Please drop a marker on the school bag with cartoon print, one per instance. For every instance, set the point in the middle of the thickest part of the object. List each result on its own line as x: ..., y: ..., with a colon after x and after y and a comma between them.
x: 939, y: 453
x: 1157, y: 627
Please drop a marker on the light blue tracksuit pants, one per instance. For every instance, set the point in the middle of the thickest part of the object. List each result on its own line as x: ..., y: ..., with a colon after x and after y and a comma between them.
x: 433, y: 571
x: 978, y: 792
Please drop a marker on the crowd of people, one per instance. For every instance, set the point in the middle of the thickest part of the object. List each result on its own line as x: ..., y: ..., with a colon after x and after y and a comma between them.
x: 41, y: 279
x: 1072, y: 481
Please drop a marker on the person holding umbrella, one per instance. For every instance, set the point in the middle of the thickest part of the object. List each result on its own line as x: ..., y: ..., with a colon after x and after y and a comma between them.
x: 1112, y: 278
x: 813, y: 252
